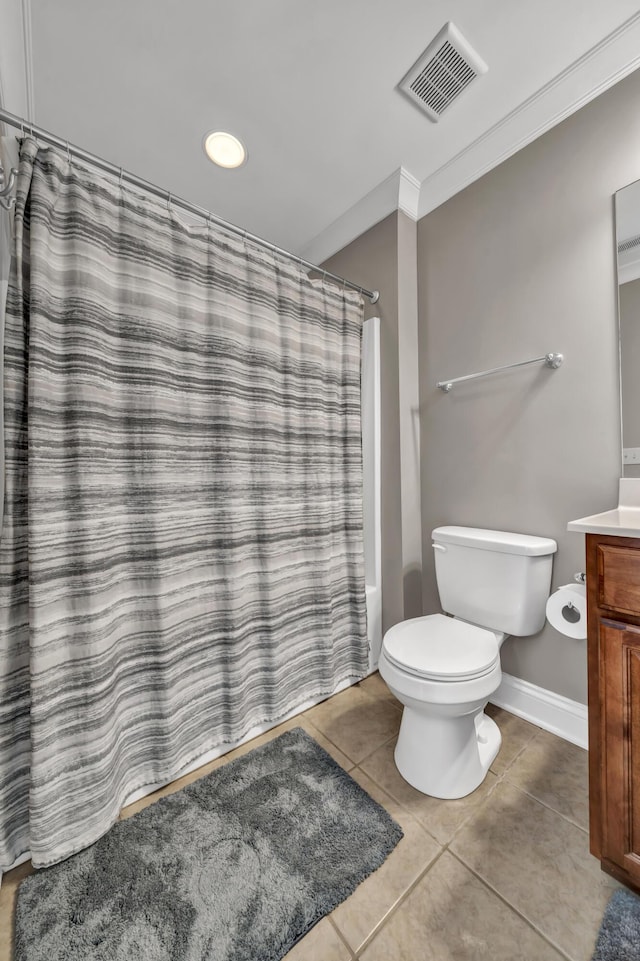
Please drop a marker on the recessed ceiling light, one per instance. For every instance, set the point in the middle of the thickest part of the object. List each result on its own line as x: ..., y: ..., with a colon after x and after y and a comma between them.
x: 224, y: 149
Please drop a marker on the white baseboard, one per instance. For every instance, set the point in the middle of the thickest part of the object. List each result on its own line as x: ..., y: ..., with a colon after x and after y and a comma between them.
x: 553, y: 712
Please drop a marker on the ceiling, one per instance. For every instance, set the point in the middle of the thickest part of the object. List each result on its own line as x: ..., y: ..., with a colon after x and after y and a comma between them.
x: 311, y: 88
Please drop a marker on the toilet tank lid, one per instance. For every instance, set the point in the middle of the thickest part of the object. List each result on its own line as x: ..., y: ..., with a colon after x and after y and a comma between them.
x: 503, y: 542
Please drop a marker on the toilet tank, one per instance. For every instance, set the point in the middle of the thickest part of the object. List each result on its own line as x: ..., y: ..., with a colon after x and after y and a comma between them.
x: 496, y: 579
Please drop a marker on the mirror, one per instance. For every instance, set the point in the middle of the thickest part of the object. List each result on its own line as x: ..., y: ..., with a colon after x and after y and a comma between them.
x: 628, y: 246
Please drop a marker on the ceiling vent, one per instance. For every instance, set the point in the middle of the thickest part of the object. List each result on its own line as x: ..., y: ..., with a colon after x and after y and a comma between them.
x: 445, y: 69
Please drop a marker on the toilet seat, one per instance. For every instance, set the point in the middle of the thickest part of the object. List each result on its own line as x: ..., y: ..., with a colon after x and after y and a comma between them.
x: 441, y: 648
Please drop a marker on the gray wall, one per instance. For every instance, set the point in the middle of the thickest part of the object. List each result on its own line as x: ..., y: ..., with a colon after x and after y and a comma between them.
x: 520, y: 263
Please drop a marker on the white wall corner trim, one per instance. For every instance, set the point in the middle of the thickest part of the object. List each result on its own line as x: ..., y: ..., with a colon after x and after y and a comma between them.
x: 550, y: 711
x: 408, y: 194
x: 600, y: 68
x: 399, y: 191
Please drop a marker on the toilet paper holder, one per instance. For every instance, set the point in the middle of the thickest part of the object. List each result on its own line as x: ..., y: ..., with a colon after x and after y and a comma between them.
x: 570, y: 612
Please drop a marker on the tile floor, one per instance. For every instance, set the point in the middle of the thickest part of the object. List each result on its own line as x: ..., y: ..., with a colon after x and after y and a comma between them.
x: 504, y: 874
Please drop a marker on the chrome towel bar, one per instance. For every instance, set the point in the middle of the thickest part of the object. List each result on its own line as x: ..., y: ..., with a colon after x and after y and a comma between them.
x: 550, y: 360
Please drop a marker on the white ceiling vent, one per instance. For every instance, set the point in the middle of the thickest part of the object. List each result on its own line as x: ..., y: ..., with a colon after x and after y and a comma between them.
x: 445, y: 69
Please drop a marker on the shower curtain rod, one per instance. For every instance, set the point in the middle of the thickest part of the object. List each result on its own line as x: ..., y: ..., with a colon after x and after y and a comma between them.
x: 95, y: 161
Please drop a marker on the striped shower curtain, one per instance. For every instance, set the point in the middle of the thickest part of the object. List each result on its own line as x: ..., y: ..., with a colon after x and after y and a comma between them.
x: 181, y: 552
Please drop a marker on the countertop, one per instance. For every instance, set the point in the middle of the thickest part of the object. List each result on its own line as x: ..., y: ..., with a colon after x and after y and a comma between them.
x: 620, y: 522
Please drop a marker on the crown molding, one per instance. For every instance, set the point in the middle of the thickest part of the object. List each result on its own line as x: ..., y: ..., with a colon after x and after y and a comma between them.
x: 604, y: 65
x: 369, y: 210
x: 628, y: 272
x: 399, y: 191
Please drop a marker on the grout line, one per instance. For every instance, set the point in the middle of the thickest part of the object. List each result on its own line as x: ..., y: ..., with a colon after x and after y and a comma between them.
x: 342, y: 937
x: 511, y: 907
x: 355, y: 954
x: 472, y: 812
x: 544, y: 804
x: 333, y: 743
x: 393, y: 737
x: 375, y: 931
x: 500, y: 777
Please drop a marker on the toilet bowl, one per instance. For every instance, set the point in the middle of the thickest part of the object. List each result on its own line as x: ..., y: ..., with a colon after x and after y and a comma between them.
x: 444, y: 669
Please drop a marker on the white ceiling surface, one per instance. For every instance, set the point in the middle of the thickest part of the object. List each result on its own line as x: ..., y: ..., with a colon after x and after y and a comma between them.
x: 310, y: 87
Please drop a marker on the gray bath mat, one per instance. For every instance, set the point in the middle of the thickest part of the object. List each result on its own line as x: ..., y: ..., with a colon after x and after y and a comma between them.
x: 237, y: 866
x: 619, y: 935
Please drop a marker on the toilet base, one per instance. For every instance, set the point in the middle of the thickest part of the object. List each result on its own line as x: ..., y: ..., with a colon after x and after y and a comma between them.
x: 446, y: 756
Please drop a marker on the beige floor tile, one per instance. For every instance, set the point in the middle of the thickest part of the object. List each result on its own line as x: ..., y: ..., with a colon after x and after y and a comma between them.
x: 375, y: 897
x: 440, y: 818
x: 337, y: 755
x: 451, y: 916
x: 516, y: 734
x: 556, y: 773
x: 356, y: 722
x: 323, y: 943
x: 536, y: 859
x: 8, y: 893
x: 376, y: 687
x: 540, y: 863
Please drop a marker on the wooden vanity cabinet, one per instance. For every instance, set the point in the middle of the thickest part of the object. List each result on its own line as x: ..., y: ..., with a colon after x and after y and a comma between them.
x: 613, y: 622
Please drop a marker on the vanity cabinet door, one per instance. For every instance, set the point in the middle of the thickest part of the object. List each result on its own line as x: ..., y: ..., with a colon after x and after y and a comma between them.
x: 619, y: 650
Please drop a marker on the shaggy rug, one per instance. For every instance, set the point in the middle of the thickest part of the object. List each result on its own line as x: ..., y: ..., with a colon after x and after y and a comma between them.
x: 237, y: 866
x: 619, y: 935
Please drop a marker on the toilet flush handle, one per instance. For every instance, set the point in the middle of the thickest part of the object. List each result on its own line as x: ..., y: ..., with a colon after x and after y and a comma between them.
x: 439, y: 547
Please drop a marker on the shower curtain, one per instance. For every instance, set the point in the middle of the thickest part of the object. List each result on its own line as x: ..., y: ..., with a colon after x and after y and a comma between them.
x: 181, y: 554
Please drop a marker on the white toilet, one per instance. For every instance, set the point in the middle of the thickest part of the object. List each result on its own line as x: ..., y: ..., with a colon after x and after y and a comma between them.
x: 445, y: 669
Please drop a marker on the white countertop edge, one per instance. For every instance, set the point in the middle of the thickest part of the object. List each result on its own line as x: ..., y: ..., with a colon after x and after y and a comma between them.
x: 620, y: 522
